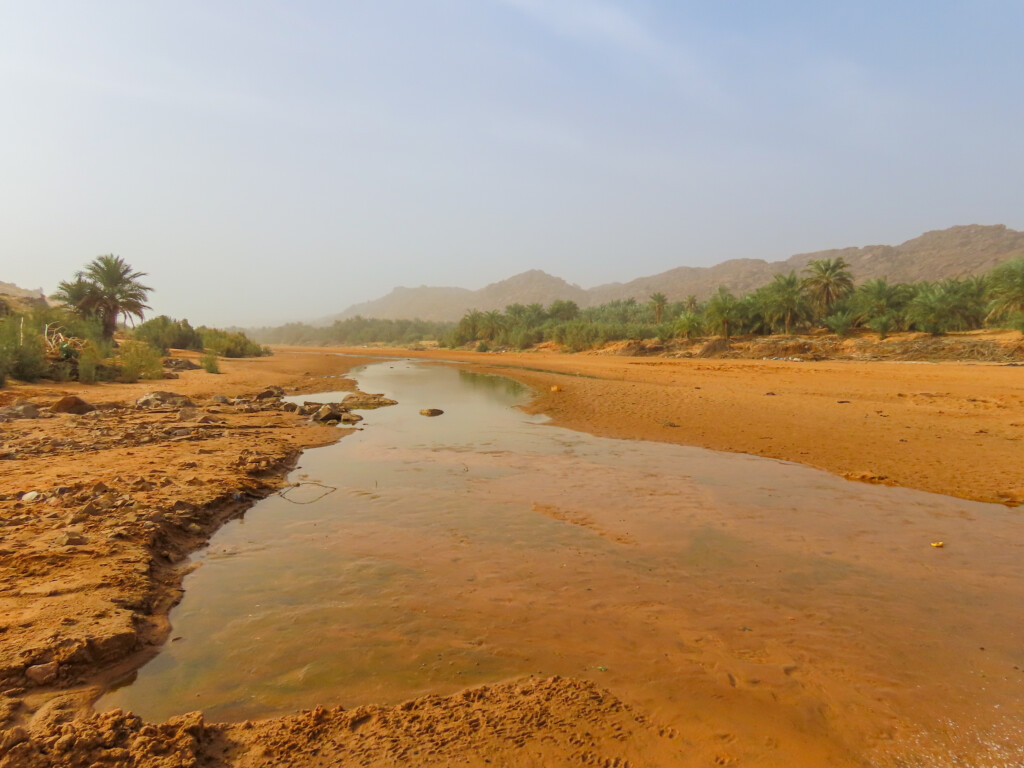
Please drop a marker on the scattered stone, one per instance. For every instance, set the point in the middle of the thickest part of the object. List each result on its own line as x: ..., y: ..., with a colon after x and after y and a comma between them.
x: 159, y: 398
x: 180, y: 364
x: 289, y: 407
x: 71, y: 539
x: 431, y: 412
x: 31, y: 496
x: 41, y: 674
x: 72, y: 404
x: 270, y: 393
x: 187, y: 414
x: 20, y: 411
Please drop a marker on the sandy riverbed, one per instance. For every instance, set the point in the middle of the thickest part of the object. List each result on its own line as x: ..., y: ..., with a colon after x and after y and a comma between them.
x: 97, y: 608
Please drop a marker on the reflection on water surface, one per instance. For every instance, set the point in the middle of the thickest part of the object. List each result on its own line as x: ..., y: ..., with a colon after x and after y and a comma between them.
x: 483, y: 545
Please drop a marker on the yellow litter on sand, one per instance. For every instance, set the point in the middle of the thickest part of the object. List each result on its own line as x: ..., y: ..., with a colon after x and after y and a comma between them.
x: 938, y: 544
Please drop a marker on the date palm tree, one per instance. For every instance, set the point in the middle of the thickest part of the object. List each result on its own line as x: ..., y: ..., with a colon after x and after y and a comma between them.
x: 658, y: 302
x: 1006, y: 287
x: 723, y: 312
x: 827, y: 281
x: 108, y: 289
x: 785, y: 301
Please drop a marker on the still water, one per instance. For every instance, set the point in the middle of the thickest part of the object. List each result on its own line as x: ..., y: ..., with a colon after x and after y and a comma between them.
x: 424, y: 555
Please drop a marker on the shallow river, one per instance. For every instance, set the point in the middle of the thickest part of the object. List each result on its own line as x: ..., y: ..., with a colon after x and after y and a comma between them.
x: 732, y: 597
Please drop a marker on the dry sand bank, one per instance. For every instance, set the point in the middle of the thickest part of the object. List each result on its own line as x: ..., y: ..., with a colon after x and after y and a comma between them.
x: 95, y: 608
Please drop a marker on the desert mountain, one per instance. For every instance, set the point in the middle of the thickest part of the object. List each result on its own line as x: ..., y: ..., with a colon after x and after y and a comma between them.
x: 428, y: 303
x: 954, y: 252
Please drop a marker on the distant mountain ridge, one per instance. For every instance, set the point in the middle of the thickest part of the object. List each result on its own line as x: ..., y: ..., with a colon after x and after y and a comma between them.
x: 955, y: 252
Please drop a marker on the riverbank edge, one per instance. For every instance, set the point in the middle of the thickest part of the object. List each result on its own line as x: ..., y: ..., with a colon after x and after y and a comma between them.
x: 946, y: 428
x: 100, y: 659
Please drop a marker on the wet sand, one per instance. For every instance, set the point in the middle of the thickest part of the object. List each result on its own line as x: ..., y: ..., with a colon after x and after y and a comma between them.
x: 949, y: 428
x: 736, y: 706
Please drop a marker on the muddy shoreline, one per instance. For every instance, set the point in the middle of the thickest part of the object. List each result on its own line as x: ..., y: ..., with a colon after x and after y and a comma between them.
x: 100, y: 622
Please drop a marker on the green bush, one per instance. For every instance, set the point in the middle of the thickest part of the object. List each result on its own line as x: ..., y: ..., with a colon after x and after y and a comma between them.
x: 882, y: 325
x: 139, y: 361
x: 22, y: 352
x: 209, y: 362
x: 163, y: 333
x: 840, y: 323
x: 228, y: 344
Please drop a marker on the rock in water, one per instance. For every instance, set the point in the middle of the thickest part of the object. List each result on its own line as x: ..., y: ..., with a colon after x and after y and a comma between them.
x: 431, y: 412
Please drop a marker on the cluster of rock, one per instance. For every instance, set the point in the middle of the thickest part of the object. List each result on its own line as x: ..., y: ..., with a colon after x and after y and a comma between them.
x: 162, y: 513
x: 340, y: 413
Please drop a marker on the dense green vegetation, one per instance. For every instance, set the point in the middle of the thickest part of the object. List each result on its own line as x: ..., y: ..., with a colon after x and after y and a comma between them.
x: 355, y: 330
x: 76, y: 340
x: 823, y: 296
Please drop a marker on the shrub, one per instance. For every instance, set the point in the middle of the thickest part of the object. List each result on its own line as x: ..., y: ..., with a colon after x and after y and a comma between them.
x: 840, y: 323
x: 225, y: 344
x: 882, y: 325
x: 22, y: 354
x: 163, y: 333
x: 139, y: 361
x: 209, y: 362
x: 483, y: 346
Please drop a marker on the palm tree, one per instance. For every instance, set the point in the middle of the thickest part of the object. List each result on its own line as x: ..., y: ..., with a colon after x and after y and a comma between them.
x: 469, y: 326
x: 658, y: 302
x: 562, y: 309
x: 827, y: 282
x: 688, y: 324
x: 930, y: 310
x: 875, y: 298
x: 108, y: 288
x: 1006, y: 286
x: 785, y: 301
x: 490, y: 325
x: 723, y: 312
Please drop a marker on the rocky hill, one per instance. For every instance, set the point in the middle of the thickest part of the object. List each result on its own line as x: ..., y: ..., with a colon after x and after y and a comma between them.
x: 13, y: 297
x: 428, y: 303
x: 954, y: 252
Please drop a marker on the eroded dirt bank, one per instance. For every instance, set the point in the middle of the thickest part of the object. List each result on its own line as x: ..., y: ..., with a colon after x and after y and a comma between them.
x: 950, y: 428
x: 98, y: 508
x: 89, y: 608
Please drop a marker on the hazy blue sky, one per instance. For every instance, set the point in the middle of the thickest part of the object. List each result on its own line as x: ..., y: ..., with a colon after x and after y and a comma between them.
x: 266, y: 161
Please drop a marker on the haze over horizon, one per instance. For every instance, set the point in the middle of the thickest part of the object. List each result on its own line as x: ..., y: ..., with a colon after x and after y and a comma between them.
x: 270, y: 161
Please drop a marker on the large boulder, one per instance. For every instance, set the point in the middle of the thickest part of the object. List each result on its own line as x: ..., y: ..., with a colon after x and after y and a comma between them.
x: 327, y: 413
x: 72, y: 404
